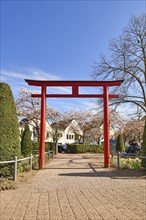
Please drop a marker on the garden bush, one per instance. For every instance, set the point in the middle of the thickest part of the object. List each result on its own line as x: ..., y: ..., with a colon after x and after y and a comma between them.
x: 48, y: 146
x: 9, y: 129
x: 26, y: 143
x: 144, y: 147
x: 23, y: 166
x: 35, y: 162
x: 120, y: 143
x: 83, y: 148
x: 127, y: 163
x: 35, y: 147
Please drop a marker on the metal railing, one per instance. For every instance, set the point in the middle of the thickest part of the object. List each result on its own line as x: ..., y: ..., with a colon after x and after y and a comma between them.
x: 30, y: 158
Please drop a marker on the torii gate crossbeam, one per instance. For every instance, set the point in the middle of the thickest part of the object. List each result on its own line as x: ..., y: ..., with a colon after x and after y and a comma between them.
x: 75, y: 94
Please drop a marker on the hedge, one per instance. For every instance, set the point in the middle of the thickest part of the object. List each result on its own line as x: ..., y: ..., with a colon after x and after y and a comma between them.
x: 48, y: 146
x: 83, y: 148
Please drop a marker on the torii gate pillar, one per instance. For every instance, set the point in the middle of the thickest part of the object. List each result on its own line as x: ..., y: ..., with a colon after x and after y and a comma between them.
x: 106, y: 129
x: 75, y: 94
x: 42, y: 128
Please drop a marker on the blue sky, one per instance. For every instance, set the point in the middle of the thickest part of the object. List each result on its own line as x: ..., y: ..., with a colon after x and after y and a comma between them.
x: 58, y: 40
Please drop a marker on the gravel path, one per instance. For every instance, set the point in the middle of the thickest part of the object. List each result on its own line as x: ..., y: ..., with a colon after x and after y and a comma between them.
x: 77, y: 187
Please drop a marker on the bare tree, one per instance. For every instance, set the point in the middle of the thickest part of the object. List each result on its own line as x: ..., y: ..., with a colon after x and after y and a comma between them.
x: 117, y: 122
x: 127, y: 61
x: 29, y: 108
x: 91, y: 124
x: 134, y: 128
x: 57, y: 129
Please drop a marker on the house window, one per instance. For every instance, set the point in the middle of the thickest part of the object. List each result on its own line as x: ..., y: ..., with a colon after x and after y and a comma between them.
x: 69, y: 136
x: 87, y: 137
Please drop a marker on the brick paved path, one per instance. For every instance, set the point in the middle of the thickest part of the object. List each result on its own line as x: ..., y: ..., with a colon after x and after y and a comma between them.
x: 77, y: 187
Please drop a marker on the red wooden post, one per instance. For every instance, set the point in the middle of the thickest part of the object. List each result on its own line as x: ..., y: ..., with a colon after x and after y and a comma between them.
x: 106, y: 129
x: 42, y: 127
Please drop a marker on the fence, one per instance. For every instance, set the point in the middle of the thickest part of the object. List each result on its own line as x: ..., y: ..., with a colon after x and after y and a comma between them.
x: 30, y: 158
x: 119, y: 155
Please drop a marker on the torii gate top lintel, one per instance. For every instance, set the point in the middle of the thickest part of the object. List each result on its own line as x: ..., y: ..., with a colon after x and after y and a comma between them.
x: 75, y: 88
x: 72, y: 83
x: 75, y: 94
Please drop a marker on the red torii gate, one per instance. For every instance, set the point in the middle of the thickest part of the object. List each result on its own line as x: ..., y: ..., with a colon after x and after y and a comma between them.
x: 75, y: 94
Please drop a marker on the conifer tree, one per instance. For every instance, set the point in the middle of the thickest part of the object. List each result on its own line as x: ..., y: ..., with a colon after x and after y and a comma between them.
x: 9, y: 129
x: 120, y: 143
x: 26, y: 143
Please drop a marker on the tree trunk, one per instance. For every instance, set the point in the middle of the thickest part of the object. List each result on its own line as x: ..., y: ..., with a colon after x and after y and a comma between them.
x: 56, y: 147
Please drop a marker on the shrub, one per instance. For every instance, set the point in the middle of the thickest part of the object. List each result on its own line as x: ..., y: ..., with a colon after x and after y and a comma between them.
x: 23, y: 166
x: 35, y: 147
x: 144, y: 147
x: 127, y: 163
x: 120, y: 143
x: 100, y: 149
x: 9, y: 128
x: 83, y: 148
x: 26, y: 144
x: 72, y: 149
x: 35, y: 163
x: 48, y: 146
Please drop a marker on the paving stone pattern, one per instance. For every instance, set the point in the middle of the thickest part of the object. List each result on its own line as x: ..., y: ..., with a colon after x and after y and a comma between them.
x: 77, y: 187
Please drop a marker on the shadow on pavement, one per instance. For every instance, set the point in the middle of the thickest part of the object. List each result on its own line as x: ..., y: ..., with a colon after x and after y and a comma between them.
x: 110, y: 173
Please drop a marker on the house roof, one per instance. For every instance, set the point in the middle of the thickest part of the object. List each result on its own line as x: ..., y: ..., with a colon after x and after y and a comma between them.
x: 24, y: 121
x: 61, y: 124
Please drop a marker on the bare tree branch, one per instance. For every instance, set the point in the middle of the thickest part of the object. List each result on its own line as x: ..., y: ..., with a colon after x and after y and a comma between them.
x: 128, y: 62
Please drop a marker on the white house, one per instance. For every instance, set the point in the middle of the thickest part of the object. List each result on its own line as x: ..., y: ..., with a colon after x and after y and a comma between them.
x: 67, y: 131
x: 34, y: 127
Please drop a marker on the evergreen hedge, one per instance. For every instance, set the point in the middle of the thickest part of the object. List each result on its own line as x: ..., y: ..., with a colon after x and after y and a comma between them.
x: 48, y: 146
x: 26, y: 143
x: 83, y: 148
x: 9, y: 128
